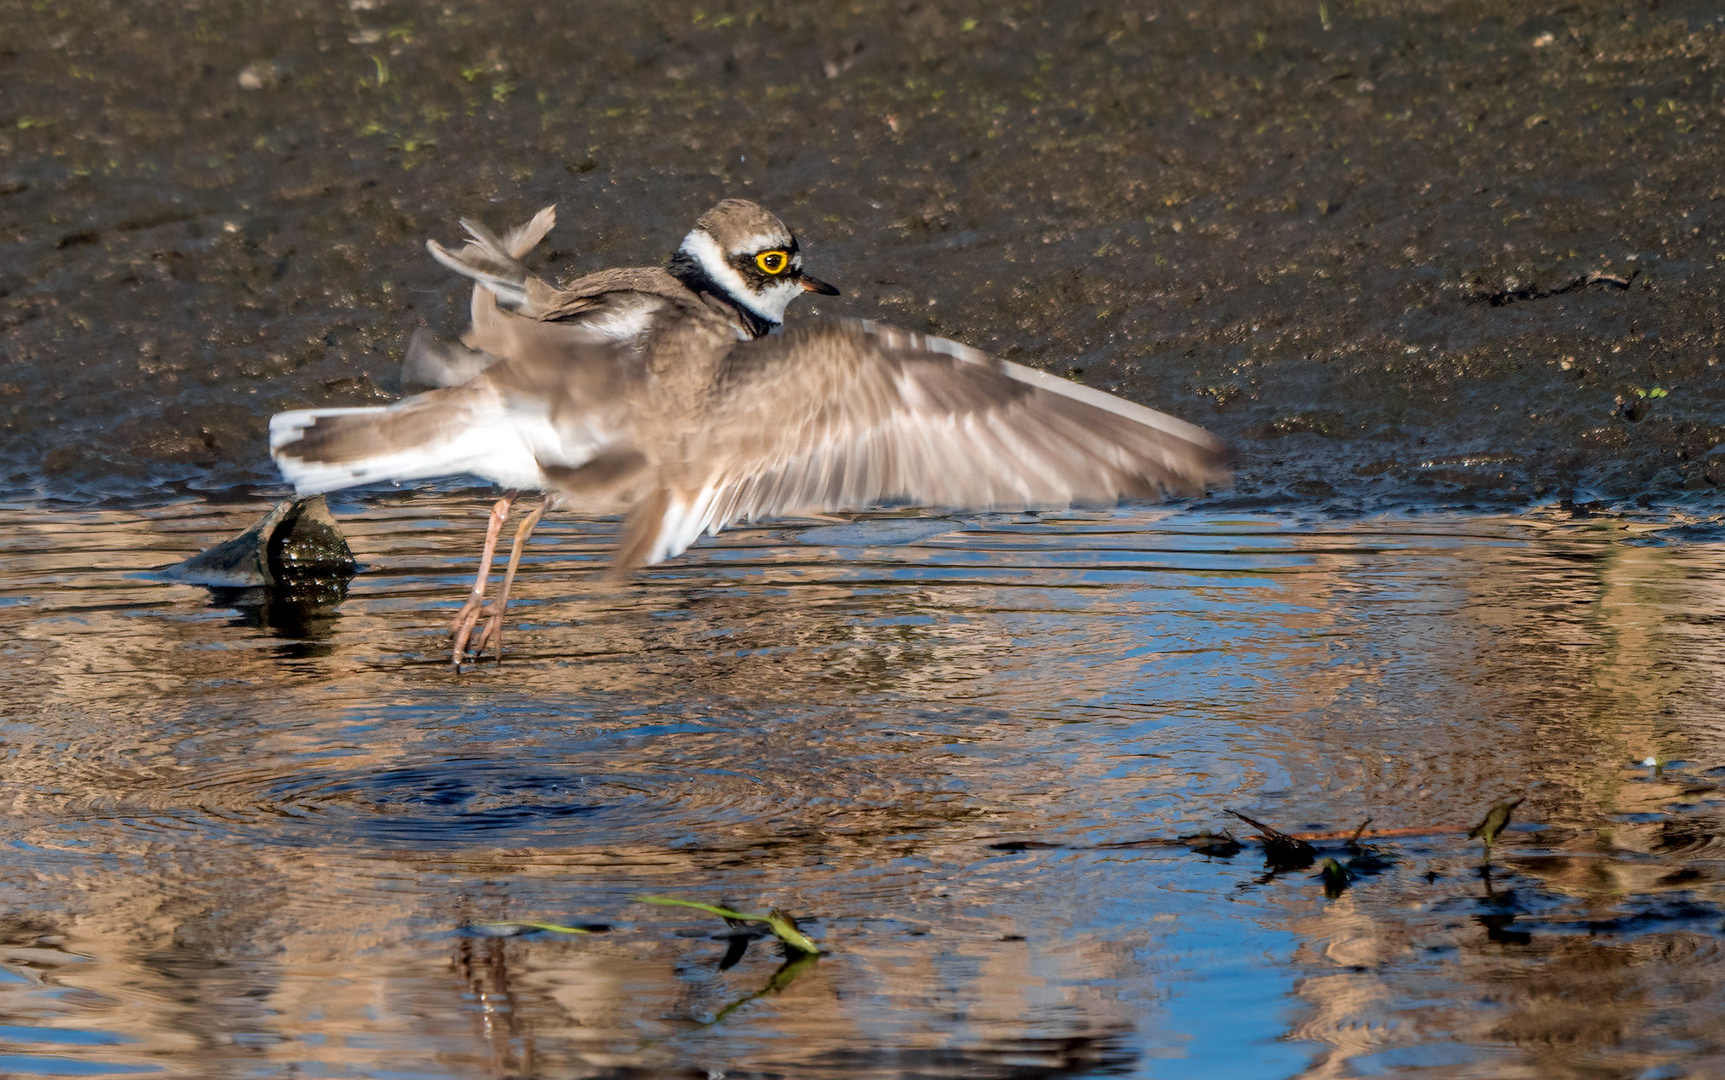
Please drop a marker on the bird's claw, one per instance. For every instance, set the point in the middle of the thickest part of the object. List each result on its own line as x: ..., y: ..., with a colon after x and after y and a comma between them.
x: 492, y: 636
x: 462, y: 628
x: 466, y: 620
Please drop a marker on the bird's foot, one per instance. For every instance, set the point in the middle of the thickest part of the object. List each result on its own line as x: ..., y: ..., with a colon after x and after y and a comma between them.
x: 468, y: 615
x: 492, y: 636
x: 462, y: 628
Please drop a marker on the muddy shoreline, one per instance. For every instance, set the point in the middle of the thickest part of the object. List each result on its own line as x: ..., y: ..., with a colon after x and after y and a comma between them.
x: 1402, y: 255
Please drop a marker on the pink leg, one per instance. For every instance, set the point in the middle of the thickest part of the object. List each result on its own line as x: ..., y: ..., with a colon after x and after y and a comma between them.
x: 493, y: 633
x: 469, y: 613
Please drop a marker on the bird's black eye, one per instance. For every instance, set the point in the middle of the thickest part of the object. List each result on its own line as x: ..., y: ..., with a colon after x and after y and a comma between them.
x: 773, y: 262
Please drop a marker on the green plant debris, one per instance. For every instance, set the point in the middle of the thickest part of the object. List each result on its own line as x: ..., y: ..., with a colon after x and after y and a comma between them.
x: 1281, y: 851
x: 1336, y: 877
x: 786, y: 930
x: 782, y: 925
x: 1493, y: 823
x: 511, y: 929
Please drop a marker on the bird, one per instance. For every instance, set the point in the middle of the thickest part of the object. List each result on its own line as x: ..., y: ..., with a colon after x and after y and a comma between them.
x: 614, y: 304
x: 617, y: 303
x: 680, y: 402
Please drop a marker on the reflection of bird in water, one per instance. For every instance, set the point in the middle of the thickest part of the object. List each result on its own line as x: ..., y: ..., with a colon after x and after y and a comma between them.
x: 659, y: 397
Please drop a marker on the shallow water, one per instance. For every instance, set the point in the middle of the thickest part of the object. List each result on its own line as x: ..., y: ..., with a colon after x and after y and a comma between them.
x: 962, y: 752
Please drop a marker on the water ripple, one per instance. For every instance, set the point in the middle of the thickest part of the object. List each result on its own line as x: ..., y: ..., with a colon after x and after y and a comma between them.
x: 964, y: 751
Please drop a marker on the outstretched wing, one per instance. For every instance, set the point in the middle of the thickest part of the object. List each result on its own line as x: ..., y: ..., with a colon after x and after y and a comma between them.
x: 844, y: 415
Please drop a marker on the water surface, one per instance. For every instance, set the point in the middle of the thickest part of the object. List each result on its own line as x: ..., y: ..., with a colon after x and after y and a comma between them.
x: 964, y: 753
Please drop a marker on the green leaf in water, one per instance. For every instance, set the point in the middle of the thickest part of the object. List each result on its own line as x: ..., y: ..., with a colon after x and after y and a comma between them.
x: 1495, y: 819
x: 712, y: 909
x: 783, y: 926
x: 507, y: 929
x: 1336, y: 878
x: 786, y: 930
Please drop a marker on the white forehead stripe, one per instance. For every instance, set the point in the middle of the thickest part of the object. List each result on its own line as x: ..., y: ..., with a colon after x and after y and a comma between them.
x: 763, y: 242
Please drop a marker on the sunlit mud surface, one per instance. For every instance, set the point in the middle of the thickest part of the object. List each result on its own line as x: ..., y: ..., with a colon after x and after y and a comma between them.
x: 1399, y: 252
x: 259, y: 840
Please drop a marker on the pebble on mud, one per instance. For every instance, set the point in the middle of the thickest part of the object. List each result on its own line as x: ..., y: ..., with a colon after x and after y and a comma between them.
x: 260, y: 75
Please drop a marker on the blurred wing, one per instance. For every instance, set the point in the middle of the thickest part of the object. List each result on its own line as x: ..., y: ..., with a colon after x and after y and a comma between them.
x: 430, y: 362
x: 844, y: 415
x: 620, y: 303
x: 494, y: 262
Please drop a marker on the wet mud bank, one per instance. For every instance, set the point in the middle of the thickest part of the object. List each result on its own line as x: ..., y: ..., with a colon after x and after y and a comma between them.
x: 1398, y: 253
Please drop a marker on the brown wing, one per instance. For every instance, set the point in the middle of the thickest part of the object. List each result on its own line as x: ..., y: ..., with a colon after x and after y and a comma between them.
x: 622, y: 287
x: 622, y: 296
x: 585, y: 385
x: 845, y: 415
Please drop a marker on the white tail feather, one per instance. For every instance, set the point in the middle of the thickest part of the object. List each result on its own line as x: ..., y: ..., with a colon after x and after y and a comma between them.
x: 488, y: 446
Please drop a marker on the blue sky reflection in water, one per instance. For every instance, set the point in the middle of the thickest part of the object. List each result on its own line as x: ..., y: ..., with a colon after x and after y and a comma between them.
x: 968, y: 754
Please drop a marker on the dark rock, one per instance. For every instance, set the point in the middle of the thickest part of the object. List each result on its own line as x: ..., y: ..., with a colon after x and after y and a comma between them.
x: 295, y: 546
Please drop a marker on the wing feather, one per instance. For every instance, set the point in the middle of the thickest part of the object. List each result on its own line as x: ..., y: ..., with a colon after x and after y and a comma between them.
x: 844, y: 415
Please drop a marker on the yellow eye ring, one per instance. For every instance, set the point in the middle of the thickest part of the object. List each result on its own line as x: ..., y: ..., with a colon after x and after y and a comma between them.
x: 773, y: 262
